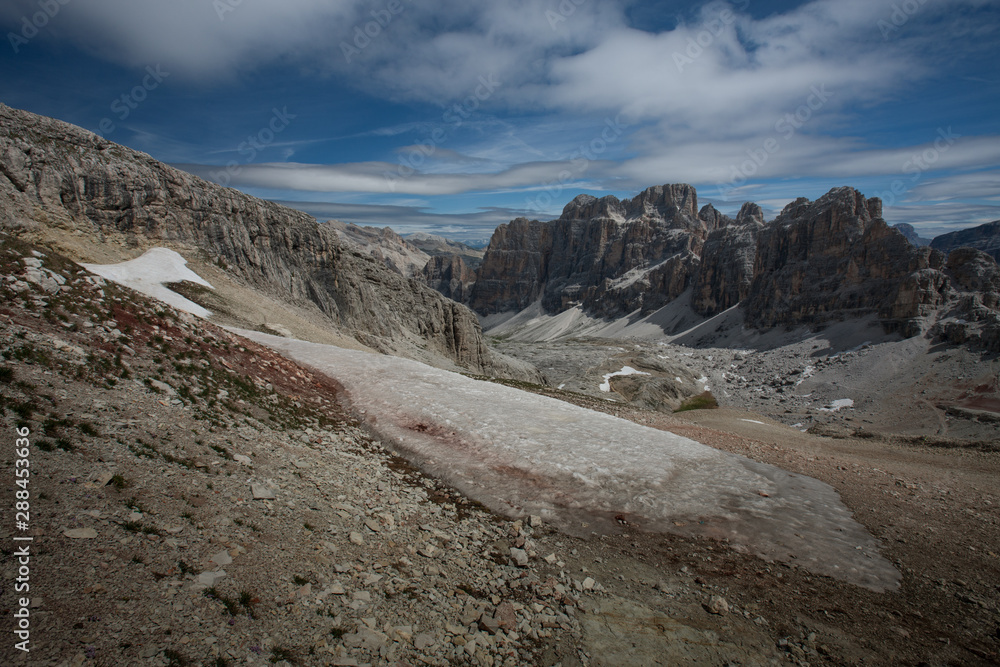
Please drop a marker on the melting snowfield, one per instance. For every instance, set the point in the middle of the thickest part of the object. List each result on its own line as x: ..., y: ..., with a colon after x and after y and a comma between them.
x: 520, y: 453
x: 148, y: 273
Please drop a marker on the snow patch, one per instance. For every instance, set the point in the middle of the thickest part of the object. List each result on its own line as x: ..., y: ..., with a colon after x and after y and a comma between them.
x: 626, y: 370
x: 838, y: 404
x: 521, y: 454
x: 148, y: 273
x: 753, y: 421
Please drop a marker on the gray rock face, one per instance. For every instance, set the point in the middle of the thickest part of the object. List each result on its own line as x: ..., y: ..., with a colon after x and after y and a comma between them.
x: 449, y: 275
x: 435, y: 245
x: 835, y: 257
x: 612, y: 257
x: 984, y: 237
x: 53, y: 174
x: 727, y: 267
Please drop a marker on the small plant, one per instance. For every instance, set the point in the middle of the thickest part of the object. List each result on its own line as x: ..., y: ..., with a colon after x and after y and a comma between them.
x: 6, y: 374
x: 299, y: 580
x: 278, y: 654
x: 133, y: 504
x: 703, y: 401
x: 184, y: 567
x: 308, y: 526
x: 174, y: 659
x: 64, y: 444
x: 120, y: 483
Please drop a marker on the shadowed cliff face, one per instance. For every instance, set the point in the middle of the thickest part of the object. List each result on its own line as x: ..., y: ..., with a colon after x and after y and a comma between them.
x: 57, y: 176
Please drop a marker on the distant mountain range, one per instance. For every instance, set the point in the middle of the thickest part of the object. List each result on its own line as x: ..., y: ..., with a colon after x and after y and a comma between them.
x: 817, y: 262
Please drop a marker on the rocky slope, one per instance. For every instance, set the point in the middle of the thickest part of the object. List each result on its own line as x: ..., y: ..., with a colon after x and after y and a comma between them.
x: 435, y: 245
x: 58, y: 181
x: 384, y: 245
x: 984, y: 237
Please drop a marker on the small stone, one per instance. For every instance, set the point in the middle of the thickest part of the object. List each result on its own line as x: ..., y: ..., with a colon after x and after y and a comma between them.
x: 240, y: 458
x: 356, y: 538
x: 519, y: 556
x: 588, y: 584
x: 81, y: 533
x: 211, y: 578
x: 424, y: 641
x: 261, y: 492
x: 488, y: 624
x: 222, y: 558
x: 535, y: 521
x: 718, y: 605
x: 428, y: 550
x: 550, y: 559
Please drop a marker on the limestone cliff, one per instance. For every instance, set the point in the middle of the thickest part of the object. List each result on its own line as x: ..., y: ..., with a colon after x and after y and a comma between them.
x: 609, y: 256
x: 55, y: 177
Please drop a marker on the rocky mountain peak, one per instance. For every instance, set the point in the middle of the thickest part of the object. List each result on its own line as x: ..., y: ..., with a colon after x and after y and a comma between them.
x: 750, y: 212
x: 713, y: 218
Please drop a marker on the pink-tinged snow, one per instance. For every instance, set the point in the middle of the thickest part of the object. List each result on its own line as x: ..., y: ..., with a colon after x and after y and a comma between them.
x: 148, y: 273
x: 520, y: 453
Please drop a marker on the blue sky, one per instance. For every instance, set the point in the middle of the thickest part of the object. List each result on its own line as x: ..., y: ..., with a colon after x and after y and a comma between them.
x: 457, y: 117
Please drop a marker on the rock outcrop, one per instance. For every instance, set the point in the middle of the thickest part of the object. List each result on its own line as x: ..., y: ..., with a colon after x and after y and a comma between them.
x: 59, y: 178
x: 609, y: 256
x: 837, y: 257
x: 984, y: 237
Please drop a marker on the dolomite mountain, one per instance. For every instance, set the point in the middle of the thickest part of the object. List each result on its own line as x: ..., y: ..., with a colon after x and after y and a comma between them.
x: 818, y: 261
x: 62, y: 184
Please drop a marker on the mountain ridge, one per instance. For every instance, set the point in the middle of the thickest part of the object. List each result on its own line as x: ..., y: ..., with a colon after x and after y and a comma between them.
x: 63, y: 183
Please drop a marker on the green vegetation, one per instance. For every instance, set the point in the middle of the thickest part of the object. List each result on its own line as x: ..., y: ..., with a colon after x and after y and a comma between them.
x: 703, y: 401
